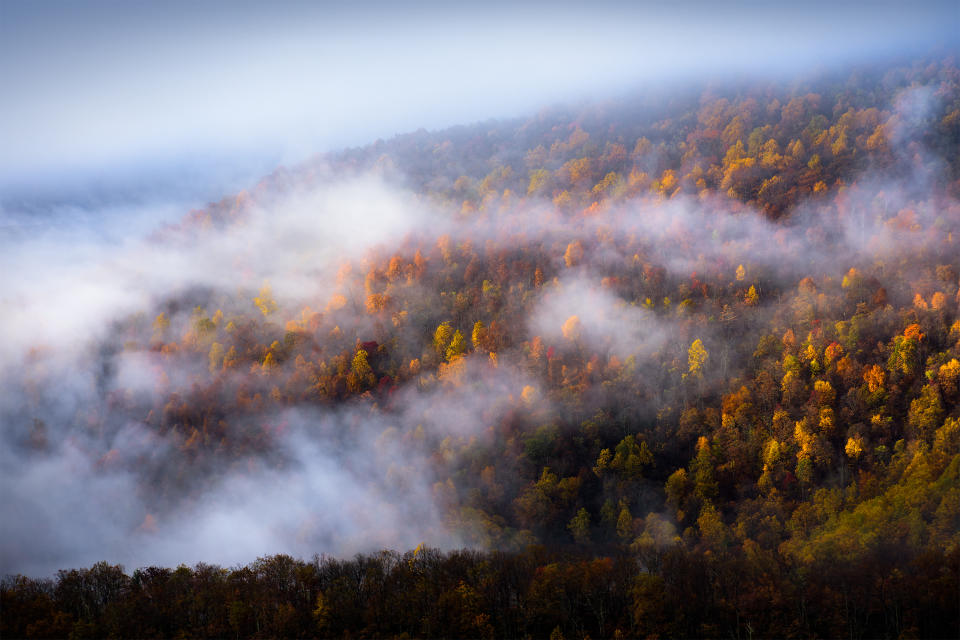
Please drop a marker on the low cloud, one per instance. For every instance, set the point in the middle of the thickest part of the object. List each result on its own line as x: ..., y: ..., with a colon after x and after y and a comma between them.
x: 579, y: 311
x: 89, y: 470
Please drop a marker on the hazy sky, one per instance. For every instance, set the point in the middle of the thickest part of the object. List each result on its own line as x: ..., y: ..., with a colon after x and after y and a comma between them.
x: 108, y: 90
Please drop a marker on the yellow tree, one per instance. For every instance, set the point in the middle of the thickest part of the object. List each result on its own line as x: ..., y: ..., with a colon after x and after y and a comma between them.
x: 442, y: 337
x: 704, y: 482
x: 948, y: 376
x: 696, y: 357
x: 264, y: 301
x: 479, y: 334
x: 573, y: 254
x: 612, y: 185
x: 457, y: 347
x: 571, y: 328
x: 360, y: 364
x: 539, y: 182
x: 216, y: 356
x: 376, y: 302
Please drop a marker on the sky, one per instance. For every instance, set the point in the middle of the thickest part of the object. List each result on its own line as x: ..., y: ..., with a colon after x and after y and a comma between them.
x: 103, y: 100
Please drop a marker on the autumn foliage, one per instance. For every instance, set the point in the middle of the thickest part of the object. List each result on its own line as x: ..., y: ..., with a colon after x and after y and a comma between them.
x: 780, y: 457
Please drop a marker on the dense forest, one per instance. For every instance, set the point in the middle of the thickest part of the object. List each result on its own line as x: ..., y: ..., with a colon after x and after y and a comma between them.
x: 679, y: 364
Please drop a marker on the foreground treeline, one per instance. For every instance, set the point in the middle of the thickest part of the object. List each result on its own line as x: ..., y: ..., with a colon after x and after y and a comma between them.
x: 467, y: 594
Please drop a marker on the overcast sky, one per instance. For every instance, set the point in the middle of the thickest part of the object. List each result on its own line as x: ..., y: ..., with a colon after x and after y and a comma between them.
x: 107, y: 90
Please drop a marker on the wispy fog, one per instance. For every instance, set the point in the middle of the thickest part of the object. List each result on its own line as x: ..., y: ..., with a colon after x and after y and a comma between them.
x: 83, y: 477
x: 103, y: 108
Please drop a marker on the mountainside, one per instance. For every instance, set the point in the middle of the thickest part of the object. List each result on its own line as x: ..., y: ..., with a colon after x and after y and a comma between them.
x: 671, y: 365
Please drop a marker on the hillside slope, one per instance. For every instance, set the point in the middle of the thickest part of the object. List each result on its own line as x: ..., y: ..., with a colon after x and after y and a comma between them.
x: 681, y: 365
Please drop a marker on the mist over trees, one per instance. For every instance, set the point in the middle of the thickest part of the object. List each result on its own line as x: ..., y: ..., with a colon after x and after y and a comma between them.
x: 680, y: 365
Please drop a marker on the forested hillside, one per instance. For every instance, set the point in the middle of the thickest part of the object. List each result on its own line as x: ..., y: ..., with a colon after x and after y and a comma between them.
x: 673, y: 365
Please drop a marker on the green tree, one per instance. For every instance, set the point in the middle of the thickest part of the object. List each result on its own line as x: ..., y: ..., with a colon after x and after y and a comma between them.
x: 625, y: 524
x: 926, y: 413
x: 579, y: 526
x: 629, y: 458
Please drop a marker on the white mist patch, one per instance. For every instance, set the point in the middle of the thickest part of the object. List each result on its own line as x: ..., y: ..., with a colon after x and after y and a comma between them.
x: 328, y: 498
x: 63, y: 301
x: 330, y: 493
x: 64, y: 290
x: 61, y: 510
x: 872, y: 219
x: 470, y: 396
x: 76, y: 481
x: 580, y: 310
x: 914, y: 110
x: 302, y: 235
x: 355, y: 479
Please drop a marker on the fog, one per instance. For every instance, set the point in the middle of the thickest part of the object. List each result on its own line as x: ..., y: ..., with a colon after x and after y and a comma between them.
x: 106, y: 103
x: 577, y: 311
x: 85, y: 478
x: 75, y: 277
x: 99, y: 484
